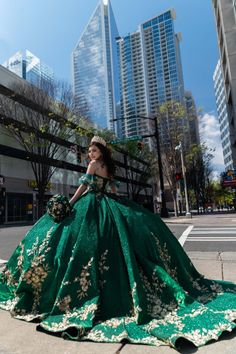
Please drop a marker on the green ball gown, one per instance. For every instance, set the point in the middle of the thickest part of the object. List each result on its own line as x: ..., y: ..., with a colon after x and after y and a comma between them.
x: 110, y: 271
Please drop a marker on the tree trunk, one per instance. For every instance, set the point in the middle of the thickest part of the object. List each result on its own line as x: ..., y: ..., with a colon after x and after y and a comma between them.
x: 175, y: 202
x: 41, y: 195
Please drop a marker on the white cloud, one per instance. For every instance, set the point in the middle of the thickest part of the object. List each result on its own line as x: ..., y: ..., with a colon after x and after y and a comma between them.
x: 210, y: 134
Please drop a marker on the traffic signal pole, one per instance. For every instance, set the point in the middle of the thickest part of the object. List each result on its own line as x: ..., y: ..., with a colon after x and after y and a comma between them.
x: 164, y: 210
x: 180, y: 148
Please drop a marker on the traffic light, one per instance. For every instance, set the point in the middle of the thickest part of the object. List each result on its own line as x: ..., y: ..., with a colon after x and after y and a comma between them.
x: 140, y: 145
x: 178, y: 176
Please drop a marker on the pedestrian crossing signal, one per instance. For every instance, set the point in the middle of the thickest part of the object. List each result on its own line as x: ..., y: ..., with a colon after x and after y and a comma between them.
x: 178, y: 176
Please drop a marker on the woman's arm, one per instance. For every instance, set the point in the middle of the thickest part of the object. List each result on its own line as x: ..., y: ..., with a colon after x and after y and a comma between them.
x: 114, y: 185
x: 82, y: 188
x: 113, y: 189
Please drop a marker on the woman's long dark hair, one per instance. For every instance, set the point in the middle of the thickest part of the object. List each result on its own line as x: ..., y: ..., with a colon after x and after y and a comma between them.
x: 107, y: 158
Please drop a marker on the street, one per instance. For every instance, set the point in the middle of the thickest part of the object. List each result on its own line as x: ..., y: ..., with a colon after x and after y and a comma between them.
x: 10, y: 237
x: 203, y: 233
x: 206, y: 238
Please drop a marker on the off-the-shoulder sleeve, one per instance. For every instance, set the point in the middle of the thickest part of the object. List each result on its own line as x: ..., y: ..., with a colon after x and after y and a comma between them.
x: 87, y: 179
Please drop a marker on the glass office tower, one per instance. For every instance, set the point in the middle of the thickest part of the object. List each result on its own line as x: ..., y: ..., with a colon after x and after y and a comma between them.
x: 221, y: 105
x: 150, y: 71
x: 194, y: 134
x: 95, y: 68
x: 29, y: 67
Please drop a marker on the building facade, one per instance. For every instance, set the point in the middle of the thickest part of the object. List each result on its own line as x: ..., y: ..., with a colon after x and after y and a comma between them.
x: 150, y: 71
x: 29, y: 67
x: 19, y: 200
x: 18, y: 187
x: 194, y: 136
x: 221, y: 105
x: 95, y: 68
x: 225, y: 16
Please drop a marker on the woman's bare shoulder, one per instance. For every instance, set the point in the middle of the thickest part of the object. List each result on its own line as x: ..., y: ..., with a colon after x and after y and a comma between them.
x: 92, y: 166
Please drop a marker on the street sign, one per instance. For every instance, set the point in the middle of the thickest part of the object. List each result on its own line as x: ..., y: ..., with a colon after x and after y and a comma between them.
x: 228, y: 179
x: 125, y: 140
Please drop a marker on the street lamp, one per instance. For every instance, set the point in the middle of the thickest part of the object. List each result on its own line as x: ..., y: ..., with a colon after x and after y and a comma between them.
x: 180, y: 148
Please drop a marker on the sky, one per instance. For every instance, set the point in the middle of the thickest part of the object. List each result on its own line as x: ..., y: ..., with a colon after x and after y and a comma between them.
x: 50, y: 29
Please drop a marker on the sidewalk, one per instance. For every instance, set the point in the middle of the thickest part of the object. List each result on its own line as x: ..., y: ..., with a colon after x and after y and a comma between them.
x: 19, y: 337
x: 217, y: 219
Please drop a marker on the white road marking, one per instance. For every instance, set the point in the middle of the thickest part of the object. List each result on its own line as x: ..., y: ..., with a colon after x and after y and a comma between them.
x: 205, y: 239
x: 214, y: 232
x: 184, y: 235
x: 2, y: 261
x: 215, y: 228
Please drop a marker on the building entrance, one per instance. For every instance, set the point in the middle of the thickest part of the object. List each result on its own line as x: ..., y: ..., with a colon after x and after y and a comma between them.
x: 19, y: 207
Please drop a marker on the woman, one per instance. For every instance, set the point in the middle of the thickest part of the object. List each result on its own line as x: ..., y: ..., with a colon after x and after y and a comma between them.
x: 112, y: 270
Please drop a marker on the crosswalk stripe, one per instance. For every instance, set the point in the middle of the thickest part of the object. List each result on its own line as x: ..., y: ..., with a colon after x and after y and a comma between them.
x: 215, y: 232
x: 204, y: 239
x: 2, y: 261
x: 212, y: 234
x: 184, y: 235
x: 214, y: 228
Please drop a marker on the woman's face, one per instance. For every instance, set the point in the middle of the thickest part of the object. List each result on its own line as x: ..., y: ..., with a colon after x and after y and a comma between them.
x: 94, y: 153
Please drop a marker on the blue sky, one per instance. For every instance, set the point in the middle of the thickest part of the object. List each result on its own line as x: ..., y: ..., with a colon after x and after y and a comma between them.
x: 51, y: 28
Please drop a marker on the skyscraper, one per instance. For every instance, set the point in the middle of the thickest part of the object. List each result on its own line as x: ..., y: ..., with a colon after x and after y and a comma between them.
x: 95, y: 68
x: 150, y: 71
x: 223, y: 117
x: 225, y: 15
x: 194, y: 136
x: 29, y: 67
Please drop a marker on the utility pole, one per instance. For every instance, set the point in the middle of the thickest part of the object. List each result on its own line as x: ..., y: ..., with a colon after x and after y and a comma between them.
x: 164, y: 210
x: 126, y: 173
x: 180, y: 148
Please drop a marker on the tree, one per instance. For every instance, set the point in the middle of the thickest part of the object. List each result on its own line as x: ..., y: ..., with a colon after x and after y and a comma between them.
x: 173, y: 128
x: 221, y: 195
x: 199, y: 171
x: 37, y: 130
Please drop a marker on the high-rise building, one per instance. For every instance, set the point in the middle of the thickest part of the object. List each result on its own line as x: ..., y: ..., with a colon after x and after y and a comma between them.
x: 150, y: 71
x: 223, y: 117
x: 95, y: 68
x: 29, y: 67
x: 225, y: 15
x: 194, y: 135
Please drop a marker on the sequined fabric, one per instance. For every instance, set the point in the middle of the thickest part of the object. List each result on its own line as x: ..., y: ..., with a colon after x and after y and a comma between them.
x: 110, y: 271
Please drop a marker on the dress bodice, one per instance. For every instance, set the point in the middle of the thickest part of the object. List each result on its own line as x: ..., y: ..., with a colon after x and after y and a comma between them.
x: 97, y: 183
